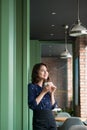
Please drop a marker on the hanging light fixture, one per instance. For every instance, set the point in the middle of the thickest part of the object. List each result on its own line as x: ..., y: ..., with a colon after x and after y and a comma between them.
x: 65, y: 54
x: 77, y: 29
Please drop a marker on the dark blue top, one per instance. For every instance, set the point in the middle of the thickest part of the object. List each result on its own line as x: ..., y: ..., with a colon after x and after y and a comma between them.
x: 45, y: 103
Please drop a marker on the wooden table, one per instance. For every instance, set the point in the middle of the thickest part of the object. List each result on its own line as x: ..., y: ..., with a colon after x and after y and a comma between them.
x: 62, y: 119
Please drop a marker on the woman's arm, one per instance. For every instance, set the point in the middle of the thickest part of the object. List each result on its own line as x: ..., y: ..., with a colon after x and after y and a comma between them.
x: 53, y: 89
x: 39, y: 98
x: 41, y: 95
x: 52, y: 99
x: 33, y: 101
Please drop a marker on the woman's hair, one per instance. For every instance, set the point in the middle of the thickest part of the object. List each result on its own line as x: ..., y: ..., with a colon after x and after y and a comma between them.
x: 35, y: 77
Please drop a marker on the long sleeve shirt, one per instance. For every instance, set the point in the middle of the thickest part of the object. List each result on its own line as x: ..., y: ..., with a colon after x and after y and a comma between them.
x: 33, y: 92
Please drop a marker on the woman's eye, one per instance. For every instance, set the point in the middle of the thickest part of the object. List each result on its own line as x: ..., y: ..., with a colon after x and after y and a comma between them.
x: 42, y: 71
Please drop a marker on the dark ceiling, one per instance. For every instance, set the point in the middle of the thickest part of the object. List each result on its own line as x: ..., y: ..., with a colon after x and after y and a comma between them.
x: 46, y: 26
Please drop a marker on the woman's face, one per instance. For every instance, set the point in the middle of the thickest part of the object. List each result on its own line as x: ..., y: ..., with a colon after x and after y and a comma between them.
x: 43, y: 73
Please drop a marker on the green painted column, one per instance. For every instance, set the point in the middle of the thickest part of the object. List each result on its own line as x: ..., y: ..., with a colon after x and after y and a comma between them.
x: 0, y: 64
x: 22, y: 65
x: 26, y: 60
x: 14, y: 64
x: 8, y: 64
x: 11, y: 63
x: 4, y: 67
x: 18, y: 93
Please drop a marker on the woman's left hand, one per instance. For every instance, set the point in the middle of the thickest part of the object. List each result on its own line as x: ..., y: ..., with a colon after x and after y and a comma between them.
x: 53, y: 89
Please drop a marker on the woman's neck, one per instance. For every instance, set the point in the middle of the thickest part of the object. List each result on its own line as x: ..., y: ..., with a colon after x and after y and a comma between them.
x: 40, y: 83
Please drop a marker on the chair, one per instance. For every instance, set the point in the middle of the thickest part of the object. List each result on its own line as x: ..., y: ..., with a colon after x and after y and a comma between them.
x: 78, y: 127
x: 62, y: 114
x: 85, y: 122
x: 70, y: 122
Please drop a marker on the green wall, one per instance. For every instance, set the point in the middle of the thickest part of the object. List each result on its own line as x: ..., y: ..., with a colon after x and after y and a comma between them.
x: 35, y: 57
x: 35, y: 52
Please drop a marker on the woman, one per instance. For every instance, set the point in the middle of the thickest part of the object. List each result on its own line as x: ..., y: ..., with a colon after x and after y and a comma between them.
x: 41, y: 98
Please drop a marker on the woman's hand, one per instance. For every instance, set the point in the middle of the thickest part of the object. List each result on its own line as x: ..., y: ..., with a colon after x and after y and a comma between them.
x: 49, y: 87
x: 53, y: 89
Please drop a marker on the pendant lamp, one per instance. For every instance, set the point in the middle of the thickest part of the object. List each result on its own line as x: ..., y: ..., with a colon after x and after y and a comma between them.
x: 77, y: 29
x: 65, y: 54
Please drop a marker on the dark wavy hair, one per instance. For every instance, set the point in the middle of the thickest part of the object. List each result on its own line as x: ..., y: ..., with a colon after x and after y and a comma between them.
x: 35, y: 77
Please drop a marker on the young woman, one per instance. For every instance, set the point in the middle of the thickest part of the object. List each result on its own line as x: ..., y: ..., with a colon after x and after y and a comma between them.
x: 41, y: 98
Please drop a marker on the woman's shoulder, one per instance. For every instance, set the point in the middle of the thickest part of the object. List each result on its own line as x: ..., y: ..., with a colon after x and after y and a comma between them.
x: 31, y: 85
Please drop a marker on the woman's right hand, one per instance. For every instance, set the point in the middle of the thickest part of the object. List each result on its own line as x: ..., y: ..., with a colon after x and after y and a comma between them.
x: 47, y: 87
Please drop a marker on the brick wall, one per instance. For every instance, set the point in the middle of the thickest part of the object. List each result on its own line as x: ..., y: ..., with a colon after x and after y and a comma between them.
x: 61, y: 75
x: 81, y: 42
x: 69, y: 81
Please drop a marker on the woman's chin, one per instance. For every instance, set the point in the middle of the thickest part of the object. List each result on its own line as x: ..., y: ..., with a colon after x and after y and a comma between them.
x: 45, y: 78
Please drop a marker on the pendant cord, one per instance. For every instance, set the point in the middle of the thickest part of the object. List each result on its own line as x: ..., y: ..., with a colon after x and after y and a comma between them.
x: 78, y: 10
x: 65, y: 38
